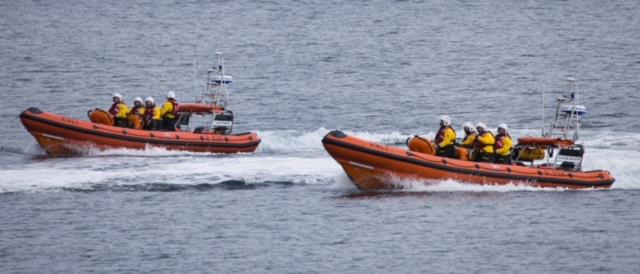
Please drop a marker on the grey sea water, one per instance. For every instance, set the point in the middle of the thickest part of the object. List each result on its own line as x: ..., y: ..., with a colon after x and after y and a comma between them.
x: 382, y: 70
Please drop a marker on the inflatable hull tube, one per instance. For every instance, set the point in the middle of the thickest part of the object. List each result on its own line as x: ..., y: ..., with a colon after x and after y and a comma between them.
x: 60, y: 135
x: 373, y: 166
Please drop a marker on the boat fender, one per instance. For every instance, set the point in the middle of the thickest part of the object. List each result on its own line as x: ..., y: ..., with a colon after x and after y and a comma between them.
x: 419, y: 144
x: 410, y: 138
x: 100, y: 116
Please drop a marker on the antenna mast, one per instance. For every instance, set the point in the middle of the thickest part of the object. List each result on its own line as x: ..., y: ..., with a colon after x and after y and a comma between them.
x: 566, y: 124
x: 216, y: 92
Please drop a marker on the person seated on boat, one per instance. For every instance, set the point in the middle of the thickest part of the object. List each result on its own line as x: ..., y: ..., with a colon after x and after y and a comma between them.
x: 503, y: 145
x: 119, y: 110
x: 470, y: 135
x: 168, y: 112
x: 151, y: 119
x: 483, y: 146
x: 136, y: 113
x: 445, y: 138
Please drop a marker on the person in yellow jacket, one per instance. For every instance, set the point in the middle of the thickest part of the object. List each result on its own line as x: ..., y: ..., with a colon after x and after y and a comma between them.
x: 470, y: 135
x: 169, y: 112
x: 503, y: 145
x: 152, y: 118
x: 136, y: 113
x: 483, y: 147
x: 119, y: 110
x: 445, y: 138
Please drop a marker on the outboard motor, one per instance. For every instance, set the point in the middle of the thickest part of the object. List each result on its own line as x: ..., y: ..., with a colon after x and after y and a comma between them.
x: 222, y: 122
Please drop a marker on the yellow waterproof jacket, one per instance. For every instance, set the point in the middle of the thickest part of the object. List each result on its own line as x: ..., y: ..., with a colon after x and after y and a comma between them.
x: 153, y: 114
x: 138, y: 111
x: 503, y: 145
x: 168, y: 110
x: 485, y: 142
x: 119, y: 110
x: 445, y: 137
x: 469, y: 140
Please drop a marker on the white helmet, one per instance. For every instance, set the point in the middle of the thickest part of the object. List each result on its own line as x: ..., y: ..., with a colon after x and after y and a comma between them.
x: 481, y: 125
x: 171, y: 95
x: 468, y: 125
x: 138, y: 99
x: 503, y: 126
x: 117, y: 95
x: 446, y: 120
x: 149, y: 99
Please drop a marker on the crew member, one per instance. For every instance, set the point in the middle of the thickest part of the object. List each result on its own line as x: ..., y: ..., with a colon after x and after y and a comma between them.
x: 483, y: 146
x: 136, y: 114
x: 119, y: 110
x: 169, y: 112
x: 469, y: 135
x: 152, y: 118
x: 503, y: 145
x: 445, y: 138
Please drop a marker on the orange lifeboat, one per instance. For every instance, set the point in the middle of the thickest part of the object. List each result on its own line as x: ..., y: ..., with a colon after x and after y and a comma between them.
x: 372, y: 166
x: 60, y: 135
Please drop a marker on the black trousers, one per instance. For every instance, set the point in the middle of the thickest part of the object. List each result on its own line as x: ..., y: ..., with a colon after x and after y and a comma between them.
x: 121, y: 122
x: 448, y: 151
x: 481, y: 156
x: 153, y: 125
x: 502, y: 159
x: 169, y: 124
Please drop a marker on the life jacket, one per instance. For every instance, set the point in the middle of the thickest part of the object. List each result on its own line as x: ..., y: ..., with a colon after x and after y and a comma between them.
x: 149, y: 113
x: 440, y: 134
x: 499, y: 144
x: 119, y: 110
x: 135, y: 110
x: 113, y: 110
x: 174, y: 109
x: 469, y: 140
x: 486, y: 148
x: 173, y: 113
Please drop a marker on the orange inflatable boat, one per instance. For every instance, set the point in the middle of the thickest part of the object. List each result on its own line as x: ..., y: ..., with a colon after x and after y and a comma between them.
x: 204, y: 126
x: 60, y: 135
x: 373, y: 166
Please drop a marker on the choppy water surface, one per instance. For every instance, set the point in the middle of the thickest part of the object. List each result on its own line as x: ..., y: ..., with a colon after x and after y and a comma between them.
x: 382, y: 70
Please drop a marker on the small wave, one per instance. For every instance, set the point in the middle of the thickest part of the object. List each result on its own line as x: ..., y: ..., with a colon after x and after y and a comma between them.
x: 296, y: 141
x: 291, y: 141
x: 622, y: 164
x: 149, y: 151
x: 168, y: 187
x: 606, y: 139
x: 188, y: 172
x: 32, y: 150
x: 458, y: 186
